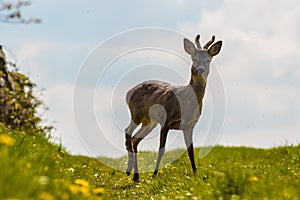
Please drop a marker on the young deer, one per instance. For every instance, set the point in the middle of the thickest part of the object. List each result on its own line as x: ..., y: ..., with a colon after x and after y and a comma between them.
x: 173, y: 107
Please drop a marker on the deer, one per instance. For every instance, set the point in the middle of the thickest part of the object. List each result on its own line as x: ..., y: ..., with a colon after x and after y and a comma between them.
x: 156, y: 102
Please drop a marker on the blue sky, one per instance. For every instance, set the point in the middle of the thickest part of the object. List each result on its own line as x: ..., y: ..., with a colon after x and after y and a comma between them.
x: 258, y: 64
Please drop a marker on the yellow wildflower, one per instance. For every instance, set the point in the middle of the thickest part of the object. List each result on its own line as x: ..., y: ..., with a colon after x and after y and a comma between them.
x: 6, y: 140
x: 253, y: 179
x: 98, y: 191
x: 46, y: 196
x: 82, y: 183
x: 75, y: 189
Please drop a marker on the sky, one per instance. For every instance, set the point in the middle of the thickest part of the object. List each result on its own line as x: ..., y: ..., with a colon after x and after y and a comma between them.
x: 87, y: 54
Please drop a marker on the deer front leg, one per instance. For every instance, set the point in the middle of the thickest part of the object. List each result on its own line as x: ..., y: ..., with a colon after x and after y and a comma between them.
x: 188, y: 138
x: 128, y: 144
x: 163, y: 138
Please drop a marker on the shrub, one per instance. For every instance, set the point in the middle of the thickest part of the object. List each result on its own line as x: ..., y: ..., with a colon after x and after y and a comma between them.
x: 18, y: 103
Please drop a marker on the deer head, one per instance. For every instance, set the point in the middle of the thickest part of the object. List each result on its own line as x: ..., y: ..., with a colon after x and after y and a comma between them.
x: 201, y: 57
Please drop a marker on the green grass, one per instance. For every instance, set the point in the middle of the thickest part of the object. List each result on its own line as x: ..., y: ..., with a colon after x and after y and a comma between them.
x: 33, y: 168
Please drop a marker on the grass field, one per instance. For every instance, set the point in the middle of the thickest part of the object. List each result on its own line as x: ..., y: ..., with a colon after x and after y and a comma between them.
x: 33, y: 168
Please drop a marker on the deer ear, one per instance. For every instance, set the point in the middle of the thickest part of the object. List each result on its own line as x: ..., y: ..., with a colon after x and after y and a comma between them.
x: 215, y: 48
x: 189, y: 47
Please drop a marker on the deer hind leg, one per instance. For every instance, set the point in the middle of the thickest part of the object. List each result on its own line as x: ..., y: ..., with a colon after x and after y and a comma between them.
x: 163, y: 138
x: 136, y: 139
x: 128, y: 144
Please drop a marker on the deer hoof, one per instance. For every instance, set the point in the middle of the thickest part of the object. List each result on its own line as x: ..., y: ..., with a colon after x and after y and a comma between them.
x: 136, y: 177
x: 195, y: 171
x: 129, y: 169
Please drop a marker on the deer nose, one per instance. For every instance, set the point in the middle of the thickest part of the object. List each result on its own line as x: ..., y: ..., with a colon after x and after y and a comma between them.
x: 200, y: 71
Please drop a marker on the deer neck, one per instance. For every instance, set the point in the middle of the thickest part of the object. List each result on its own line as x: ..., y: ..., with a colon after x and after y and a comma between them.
x: 198, y: 84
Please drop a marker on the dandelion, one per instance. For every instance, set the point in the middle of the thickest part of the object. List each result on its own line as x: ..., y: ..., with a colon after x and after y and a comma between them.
x: 82, y: 183
x: 6, y: 140
x: 98, y: 191
x: 75, y: 189
x: 295, y: 174
x: 80, y: 186
x: 46, y: 196
x: 253, y: 179
x: 85, y: 191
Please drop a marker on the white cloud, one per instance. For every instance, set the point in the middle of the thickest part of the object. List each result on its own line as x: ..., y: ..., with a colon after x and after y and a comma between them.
x: 50, y: 62
x: 59, y: 99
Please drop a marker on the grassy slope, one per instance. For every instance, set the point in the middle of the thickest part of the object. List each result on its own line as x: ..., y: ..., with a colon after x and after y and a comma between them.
x: 33, y: 168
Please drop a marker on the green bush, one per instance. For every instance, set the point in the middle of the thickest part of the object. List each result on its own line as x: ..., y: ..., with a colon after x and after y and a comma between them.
x: 18, y: 103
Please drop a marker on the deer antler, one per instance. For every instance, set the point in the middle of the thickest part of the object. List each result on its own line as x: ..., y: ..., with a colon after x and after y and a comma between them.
x: 197, y: 41
x: 209, y: 42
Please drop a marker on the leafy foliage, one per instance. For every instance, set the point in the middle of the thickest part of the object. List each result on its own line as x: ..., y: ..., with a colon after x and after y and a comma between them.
x: 11, y: 12
x: 18, y: 103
